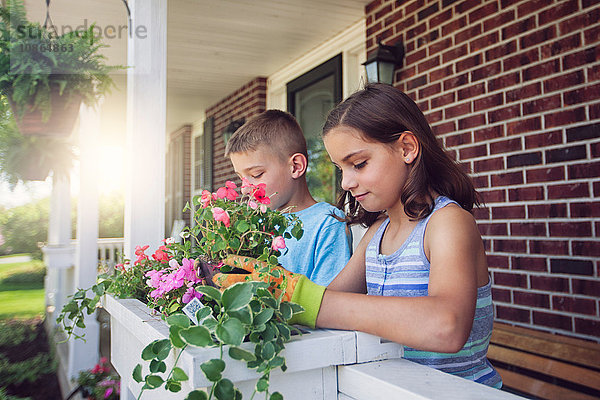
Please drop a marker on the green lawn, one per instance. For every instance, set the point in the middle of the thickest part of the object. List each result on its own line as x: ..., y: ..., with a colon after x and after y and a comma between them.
x: 22, y: 290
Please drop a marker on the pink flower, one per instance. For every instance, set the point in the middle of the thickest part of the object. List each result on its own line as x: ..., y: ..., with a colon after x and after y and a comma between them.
x: 247, y: 187
x: 221, y: 215
x: 205, y: 198
x: 278, y: 243
x: 227, y: 191
x: 263, y: 208
x: 260, y: 194
x: 190, y: 294
x: 252, y: 204
x: 161, y: 254
x: 108, y: 392
x: 103, y: 360
x: 139, y: 251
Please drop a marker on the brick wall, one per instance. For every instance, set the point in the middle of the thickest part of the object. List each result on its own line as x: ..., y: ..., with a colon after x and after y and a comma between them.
x: 249, y: 100
x: 512, y: 87
x: 178, y: 192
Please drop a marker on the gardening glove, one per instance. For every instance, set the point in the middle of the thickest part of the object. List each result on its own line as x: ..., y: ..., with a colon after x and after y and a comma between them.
x: 297, y: 288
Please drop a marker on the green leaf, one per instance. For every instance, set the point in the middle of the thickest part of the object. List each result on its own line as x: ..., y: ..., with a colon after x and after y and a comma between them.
x: 174, y: 307
x: 224, y: 390
x: 226, y: 268
x: 237, y: 353
x: 270, y: 302
x: 174, y: 336
x: 296, y: 308
x: 270, y: 332
x: 198, y: 336
x: 237, y: 296
x: 173, y: 386
x: 212, y: 369
x: 148, y: 352
x: 242, y: 226
x: 284, y: 331
x: 197, y: 395
x: 255, y: 305
x: 162, y: 348
x: 203, y: 313
x: 179, y: 374
x: 276, y: 362
x: 275, y: 273
x: 157, y: 366
x: 262, y: 385
x: 263, y: 316
x: 137, y: 373
x: 276, y: 396
x: 154, y: 381
x: 268, y: 351
x: 244, y: 315
x: 231, y: 332
x: 210, y: 323
x: 209, y: 291
x: 180, y: 320
x: 286, y: 310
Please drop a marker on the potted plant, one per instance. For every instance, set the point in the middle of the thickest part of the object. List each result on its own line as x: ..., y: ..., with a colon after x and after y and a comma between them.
x: 46, y: 76
x: 27, y: 158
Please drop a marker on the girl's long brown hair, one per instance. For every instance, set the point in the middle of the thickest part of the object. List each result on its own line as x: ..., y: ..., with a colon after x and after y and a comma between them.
x: 382, y: 112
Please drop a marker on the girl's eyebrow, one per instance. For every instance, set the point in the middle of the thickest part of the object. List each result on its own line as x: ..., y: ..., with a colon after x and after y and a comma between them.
x: 352, y: 155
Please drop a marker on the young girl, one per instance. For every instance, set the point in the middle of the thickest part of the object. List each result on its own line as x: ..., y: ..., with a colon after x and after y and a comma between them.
x: 419, y: 276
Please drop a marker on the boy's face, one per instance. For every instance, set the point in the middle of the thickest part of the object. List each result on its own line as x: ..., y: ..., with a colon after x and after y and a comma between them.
x: 263, y: 166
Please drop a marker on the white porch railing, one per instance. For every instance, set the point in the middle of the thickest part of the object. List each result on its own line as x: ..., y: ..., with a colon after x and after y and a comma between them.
x: 109, y: 251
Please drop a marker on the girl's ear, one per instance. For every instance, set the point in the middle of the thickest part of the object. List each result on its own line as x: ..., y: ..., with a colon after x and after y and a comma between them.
x: 298, y: 164
x: 409, y: 146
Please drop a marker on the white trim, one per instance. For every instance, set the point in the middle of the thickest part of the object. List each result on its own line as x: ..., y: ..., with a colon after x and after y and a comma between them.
x: 350, y: 42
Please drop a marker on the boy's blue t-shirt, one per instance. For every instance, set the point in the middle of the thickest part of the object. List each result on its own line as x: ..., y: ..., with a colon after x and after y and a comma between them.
x: 323, y: 250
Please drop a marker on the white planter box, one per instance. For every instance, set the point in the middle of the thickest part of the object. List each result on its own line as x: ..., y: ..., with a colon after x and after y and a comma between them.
x: 311, y: 358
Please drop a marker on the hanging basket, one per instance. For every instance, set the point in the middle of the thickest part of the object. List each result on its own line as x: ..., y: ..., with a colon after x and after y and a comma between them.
x: 33, y: 172
x: 60, y: 123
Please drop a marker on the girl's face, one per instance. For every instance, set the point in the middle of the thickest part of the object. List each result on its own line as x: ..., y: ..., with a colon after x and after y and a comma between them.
x: 374, y: 173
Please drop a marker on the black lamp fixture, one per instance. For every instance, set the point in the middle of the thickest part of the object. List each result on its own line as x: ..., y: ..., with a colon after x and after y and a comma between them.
x: 233, y: 126
x: 381, y: 65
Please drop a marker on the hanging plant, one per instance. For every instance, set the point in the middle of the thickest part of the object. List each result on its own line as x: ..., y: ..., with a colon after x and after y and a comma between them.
x: 46, y: 76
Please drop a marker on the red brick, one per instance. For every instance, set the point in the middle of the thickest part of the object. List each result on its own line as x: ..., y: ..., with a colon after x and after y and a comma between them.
x: 488, y: 133
x: 524, y: 92
x: 561, y: 46
x: 458, y: 110
x: 508, y: 212
x: 486, y: 71
x: 414, y: 6
x: 574, y: 305
x: 581, y: 171
x: 595, y: 111
x: 523, y: 126
x: 550, y: 284
x: 456, y: 81
x: 374, y: 28
x: 395, y: 16
x: 553, y: 320
x: 564, y: 81
x: 372, y: 6
x: 587, y: 326
x: 545, y: 174
x: 444, y: 128
x: 510, y: 279
x: 467, y: 34
x: 415, y: 31
x: 557, y: 12
x: 504, y: 113
x: 521, y: 26
x: 565, y: 117
x: 507, y: 179
x: 380, y: 37
x: 548, y: 247
x: 585, y: 210
x: 493, y: 229
x: 501, y: 51
x: 472, y: 152
x: 488, y: 102
x: 543, y: 104
x: 480, y: 181
x: 595, y: 149
x: 547, y: 211
x: 570, y: 229
x: 537, y: 37
x: 471, y: 91
x: 471, y: 121
x: 434, y: 116
x: 441, y: 73
x: 493, y: 196
x: 543, y: 139
x: 592, y: 35
x: 416, y: 56
x: 405, y: 23
x: 568, y: 191
x: 491, y: 164
x: 482, y: 12
x: 505, y: 146
x: 503, y: 81
x: 430, y: 90
x: 531, y: 299
x: 512, y: 314
x: 585, y: 94
x: 528, y: 229
x: 454, y: 25
x: 383, y: 11
x: 457, y: 140
x: 530, y: 264
x: 467, y: 5
x: 541, y: 70
x: 443, y: 100
x: 468, y: 63
x: 481, y: 213
x: 586, y: 248
x: 440, y: 18
x: 498, y: 20
x: 530, y: 6
x: 501, y: 295
x: 586, y: 56
x: 586, y: 286
x: 580, y: 22
x: 526, y: 194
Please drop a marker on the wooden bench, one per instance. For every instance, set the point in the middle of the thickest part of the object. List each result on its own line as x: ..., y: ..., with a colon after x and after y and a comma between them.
x: 545, y: 366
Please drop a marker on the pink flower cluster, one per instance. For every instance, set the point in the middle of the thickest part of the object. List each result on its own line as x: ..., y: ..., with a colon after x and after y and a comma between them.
x: 172, y: 278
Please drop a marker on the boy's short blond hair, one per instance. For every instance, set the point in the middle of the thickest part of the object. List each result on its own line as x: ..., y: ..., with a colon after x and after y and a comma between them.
x: 274, y: 128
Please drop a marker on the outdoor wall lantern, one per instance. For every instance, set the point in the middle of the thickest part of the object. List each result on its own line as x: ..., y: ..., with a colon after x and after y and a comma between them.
x: 233, y: 126
x: 381, y: 65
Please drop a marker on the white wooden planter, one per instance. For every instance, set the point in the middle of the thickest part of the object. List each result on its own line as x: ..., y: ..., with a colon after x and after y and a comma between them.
x: 311, y: 358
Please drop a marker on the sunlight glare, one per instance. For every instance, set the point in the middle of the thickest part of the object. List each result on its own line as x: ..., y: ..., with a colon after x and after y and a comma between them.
x: 111, y: 169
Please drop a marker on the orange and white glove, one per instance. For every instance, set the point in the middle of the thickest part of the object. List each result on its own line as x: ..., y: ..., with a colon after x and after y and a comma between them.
x: 297, y: 288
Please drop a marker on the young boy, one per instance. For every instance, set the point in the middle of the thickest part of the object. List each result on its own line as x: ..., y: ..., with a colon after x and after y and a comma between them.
x: 270, y: 148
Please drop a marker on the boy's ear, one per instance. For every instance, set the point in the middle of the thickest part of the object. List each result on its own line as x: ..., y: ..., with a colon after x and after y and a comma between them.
x: 409, y: 146
x: 298, y: 164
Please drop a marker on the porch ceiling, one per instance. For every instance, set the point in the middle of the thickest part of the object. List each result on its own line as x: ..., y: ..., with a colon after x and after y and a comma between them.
x: 215, y: 46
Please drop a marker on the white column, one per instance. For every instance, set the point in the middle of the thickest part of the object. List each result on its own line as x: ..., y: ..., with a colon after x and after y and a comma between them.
x: 83, y: 355
x: 146, y: 126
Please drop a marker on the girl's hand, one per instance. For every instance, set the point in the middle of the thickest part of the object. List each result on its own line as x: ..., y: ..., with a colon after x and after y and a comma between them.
x: 292, y: 287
